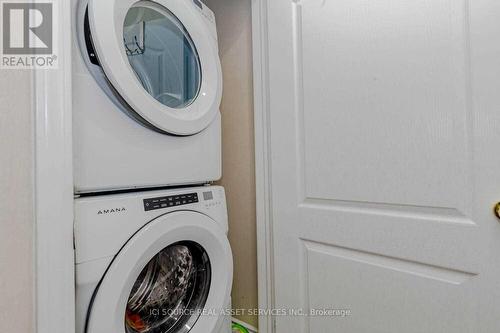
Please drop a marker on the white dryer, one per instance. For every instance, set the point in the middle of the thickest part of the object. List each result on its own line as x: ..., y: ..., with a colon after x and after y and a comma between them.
x: 147, y: 87
x: 153, y: 262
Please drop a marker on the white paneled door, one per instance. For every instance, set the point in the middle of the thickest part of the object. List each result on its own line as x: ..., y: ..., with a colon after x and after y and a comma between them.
x: 384, y: 122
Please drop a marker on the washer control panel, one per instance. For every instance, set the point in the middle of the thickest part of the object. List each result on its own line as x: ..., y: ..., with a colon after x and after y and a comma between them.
x: 170, y: 201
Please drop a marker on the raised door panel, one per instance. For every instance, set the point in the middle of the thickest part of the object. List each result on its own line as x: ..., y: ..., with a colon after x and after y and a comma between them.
x: 384, y: 101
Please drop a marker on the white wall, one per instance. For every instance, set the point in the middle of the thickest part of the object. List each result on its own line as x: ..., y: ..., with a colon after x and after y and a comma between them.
x: 234, y: 22
x: 16, y: 203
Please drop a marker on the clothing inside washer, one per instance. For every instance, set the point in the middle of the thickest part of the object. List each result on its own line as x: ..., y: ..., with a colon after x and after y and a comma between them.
x: 170, y: 292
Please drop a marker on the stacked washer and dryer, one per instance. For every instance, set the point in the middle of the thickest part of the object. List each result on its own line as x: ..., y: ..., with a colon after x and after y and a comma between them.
x: 152, y: 253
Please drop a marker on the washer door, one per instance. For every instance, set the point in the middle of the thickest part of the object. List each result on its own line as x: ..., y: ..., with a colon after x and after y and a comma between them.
x: 161, y: 59
x: 163, y: 279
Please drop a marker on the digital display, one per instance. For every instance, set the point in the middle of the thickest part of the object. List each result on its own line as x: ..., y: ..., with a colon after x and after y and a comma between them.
x: 170, y: 201
x: 208, y: 196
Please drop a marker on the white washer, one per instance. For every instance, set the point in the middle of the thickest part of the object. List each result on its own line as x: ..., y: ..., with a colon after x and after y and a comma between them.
x: 147, y: 86
x: 153, y: 262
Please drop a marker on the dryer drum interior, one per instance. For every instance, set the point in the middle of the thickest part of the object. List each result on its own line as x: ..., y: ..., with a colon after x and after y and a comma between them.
x: 171, y: 291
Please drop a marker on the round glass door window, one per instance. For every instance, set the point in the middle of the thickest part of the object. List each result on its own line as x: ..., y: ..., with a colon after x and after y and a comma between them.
x: 170, y: 293
x: 162, y: 54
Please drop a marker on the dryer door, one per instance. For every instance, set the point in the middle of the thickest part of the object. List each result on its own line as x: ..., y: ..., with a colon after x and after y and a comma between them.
x: 162, y: 60
x: 174, y: 275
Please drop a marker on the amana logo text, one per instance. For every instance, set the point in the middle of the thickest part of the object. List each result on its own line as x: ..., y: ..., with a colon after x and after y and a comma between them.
x: 111, y: 211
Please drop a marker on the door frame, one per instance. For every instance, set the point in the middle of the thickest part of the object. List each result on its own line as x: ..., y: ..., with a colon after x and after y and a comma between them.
x: 54, y: 284
x: 263, y: 164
